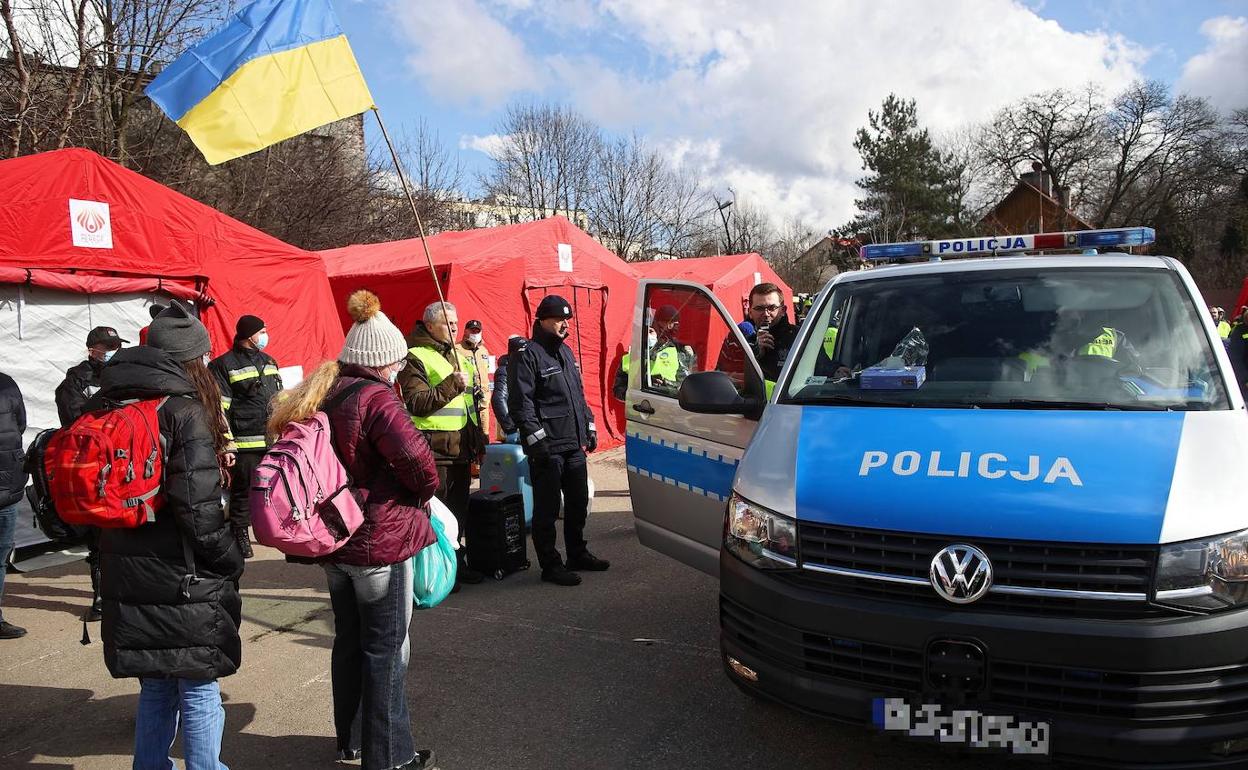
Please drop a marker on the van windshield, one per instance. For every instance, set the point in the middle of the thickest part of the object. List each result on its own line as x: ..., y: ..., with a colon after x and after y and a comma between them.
x: 1047, y: 338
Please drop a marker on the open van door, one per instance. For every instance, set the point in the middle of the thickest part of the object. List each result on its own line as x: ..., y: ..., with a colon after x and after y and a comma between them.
x: 681, y: 464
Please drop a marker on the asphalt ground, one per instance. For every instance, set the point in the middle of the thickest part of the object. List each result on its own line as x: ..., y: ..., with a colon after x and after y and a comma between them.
x: 620, y: 672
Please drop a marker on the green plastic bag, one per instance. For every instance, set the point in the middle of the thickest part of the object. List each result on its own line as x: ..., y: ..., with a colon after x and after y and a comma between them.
x: 433, y: 569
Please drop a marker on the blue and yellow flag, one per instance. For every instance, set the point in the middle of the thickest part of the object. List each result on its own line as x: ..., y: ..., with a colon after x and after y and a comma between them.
x: 276, y: 69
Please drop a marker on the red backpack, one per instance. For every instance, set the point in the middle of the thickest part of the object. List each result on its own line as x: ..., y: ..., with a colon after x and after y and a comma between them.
x: 105, y: 470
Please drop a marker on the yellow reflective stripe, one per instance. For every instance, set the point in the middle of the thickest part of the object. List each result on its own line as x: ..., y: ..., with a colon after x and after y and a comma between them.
x: 251, y: 442
x: 271, y: 371
x: 246, y: 373
x: 225, y: 403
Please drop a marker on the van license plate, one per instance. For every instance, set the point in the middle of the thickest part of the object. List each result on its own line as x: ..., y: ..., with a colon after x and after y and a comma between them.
x: 960, y: 726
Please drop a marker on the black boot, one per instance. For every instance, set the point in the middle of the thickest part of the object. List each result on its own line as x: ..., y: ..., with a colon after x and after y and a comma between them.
x: 96, y: 611
x: 560, y: 575
x: 587, y: 562
x: 244, y: 542
x: 464, y: 573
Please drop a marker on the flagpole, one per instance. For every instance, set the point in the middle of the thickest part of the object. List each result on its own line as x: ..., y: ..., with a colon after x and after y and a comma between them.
x: 420, y: 227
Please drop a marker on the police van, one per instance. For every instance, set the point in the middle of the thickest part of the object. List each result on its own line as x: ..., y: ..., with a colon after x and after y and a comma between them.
x: 995, y: 501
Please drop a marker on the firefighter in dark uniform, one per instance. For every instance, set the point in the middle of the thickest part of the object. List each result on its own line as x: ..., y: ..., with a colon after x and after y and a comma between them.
x: 80, y: 384
x: 547, y: 403
x: 249, y: 379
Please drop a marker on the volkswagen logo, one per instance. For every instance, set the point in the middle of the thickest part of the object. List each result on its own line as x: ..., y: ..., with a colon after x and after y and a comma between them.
x: 961, y: 573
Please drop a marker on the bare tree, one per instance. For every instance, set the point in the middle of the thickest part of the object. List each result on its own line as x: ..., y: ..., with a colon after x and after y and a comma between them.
x: 751, y: 229
x: 793, y: 240
x: 1163, y: 149
x: 1062, y: 130
x: 685, y: 228
x: 627, y: 201
x: 546, y: 162
x: 77, y: 70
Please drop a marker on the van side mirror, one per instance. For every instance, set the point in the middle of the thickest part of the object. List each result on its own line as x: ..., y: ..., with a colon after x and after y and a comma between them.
x: 715, y: 393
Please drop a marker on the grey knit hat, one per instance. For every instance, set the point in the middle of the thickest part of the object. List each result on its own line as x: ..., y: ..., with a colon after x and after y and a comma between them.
x: 373, y: 340
x: 179, y: 333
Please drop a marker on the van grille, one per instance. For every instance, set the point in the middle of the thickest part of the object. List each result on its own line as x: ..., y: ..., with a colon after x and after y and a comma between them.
x: 1108, y: 581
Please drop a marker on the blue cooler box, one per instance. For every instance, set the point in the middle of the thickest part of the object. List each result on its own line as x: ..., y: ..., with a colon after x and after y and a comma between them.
x: 506, y: 469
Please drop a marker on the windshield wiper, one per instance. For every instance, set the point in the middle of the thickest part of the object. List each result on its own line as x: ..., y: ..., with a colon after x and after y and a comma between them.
x: 1033, y: 403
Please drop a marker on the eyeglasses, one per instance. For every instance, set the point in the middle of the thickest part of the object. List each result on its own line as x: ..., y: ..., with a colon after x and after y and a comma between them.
x: 767, y: 308
x: 402, y: 365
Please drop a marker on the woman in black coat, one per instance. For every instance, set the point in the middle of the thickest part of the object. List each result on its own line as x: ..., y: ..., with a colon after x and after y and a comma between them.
x: 176, y: 635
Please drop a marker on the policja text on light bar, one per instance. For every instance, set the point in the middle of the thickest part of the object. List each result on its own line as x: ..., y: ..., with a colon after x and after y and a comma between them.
x: 1077, y: 239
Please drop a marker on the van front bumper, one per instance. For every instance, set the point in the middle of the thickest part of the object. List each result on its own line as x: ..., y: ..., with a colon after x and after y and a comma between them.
x: 1169, y: 692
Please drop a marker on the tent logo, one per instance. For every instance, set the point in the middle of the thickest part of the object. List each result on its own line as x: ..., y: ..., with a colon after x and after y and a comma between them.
x: 90, y: 224
x: 91, y: 221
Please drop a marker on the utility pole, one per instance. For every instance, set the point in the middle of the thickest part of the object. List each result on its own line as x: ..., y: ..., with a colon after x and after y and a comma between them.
x: 721, y: 207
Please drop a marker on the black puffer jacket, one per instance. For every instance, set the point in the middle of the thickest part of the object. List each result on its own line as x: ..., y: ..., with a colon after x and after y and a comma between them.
x: 81, y: 383
x: 12, y: 426
x: 150, y: 628
x: 498, y: 398
x: 546, y: 398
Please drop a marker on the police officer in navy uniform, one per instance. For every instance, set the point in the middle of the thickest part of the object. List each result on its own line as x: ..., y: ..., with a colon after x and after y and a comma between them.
x: 547, y: 402
x: 249, y: 379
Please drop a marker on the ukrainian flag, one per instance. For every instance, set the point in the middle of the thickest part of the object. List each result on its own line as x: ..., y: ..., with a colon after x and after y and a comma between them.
x: 276, y: 69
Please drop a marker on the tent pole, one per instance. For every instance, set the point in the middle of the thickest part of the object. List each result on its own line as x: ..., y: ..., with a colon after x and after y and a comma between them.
x: 420, y: 228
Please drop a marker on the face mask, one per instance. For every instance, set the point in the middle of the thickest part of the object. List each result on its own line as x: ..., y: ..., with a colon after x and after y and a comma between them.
x: 475, y: 339
x: 654, y: 340
x: 108, y: 355
x: 393, y: 376
x: 262, y: 341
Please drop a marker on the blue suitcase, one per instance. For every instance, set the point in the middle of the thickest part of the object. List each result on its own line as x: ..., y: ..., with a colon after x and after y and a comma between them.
x: 506, y: 469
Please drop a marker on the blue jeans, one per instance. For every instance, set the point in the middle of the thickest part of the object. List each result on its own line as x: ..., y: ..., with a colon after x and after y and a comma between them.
x: 165, y: 702
x: 8, y: 530
x: 372, y: 610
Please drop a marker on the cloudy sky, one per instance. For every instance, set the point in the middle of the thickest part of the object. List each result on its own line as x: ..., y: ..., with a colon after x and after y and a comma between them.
x: 764, y: 97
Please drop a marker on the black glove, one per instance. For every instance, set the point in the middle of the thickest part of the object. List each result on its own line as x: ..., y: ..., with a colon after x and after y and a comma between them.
x: 540, y: 449
x: 592, y: 442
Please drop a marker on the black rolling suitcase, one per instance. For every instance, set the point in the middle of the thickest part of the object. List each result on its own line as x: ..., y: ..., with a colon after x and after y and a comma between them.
x: 496, y: 544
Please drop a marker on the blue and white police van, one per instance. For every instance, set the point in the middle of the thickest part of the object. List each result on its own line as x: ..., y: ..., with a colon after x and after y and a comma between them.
x: 997, y: 501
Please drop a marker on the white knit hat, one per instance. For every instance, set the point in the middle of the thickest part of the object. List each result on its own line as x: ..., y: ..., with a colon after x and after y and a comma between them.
x: 373, y: 340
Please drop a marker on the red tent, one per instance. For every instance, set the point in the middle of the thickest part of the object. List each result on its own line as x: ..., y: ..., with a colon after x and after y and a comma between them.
x: 1242, y: 301
x: 730, y: 277
x: 498, y: 276
x: 75, y: 221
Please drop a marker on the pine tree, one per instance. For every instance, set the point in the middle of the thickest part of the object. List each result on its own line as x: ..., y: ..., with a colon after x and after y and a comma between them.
x: 911, y: 188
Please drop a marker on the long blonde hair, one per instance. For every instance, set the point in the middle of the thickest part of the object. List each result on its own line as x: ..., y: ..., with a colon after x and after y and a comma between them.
x: 302, y: 401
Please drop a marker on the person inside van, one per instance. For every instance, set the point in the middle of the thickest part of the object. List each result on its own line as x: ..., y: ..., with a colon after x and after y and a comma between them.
x: 1079, y: 334
x: 670, y: 361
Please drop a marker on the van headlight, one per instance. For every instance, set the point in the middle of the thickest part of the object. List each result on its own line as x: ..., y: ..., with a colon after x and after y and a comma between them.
x: 759, y: 537
x: 1204, y: 575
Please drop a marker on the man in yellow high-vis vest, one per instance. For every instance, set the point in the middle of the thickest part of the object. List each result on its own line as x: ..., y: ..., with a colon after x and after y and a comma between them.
x: 440, y: 389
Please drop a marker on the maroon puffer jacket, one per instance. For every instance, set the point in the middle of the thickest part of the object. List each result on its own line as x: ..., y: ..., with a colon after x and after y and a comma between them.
x: 392, y: 470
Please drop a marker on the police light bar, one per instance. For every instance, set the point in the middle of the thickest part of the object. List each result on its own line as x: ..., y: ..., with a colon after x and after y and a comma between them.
x: 1003, y: 244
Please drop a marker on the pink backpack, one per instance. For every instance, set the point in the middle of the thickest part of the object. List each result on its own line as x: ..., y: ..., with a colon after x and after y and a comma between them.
x: 301, y: 501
